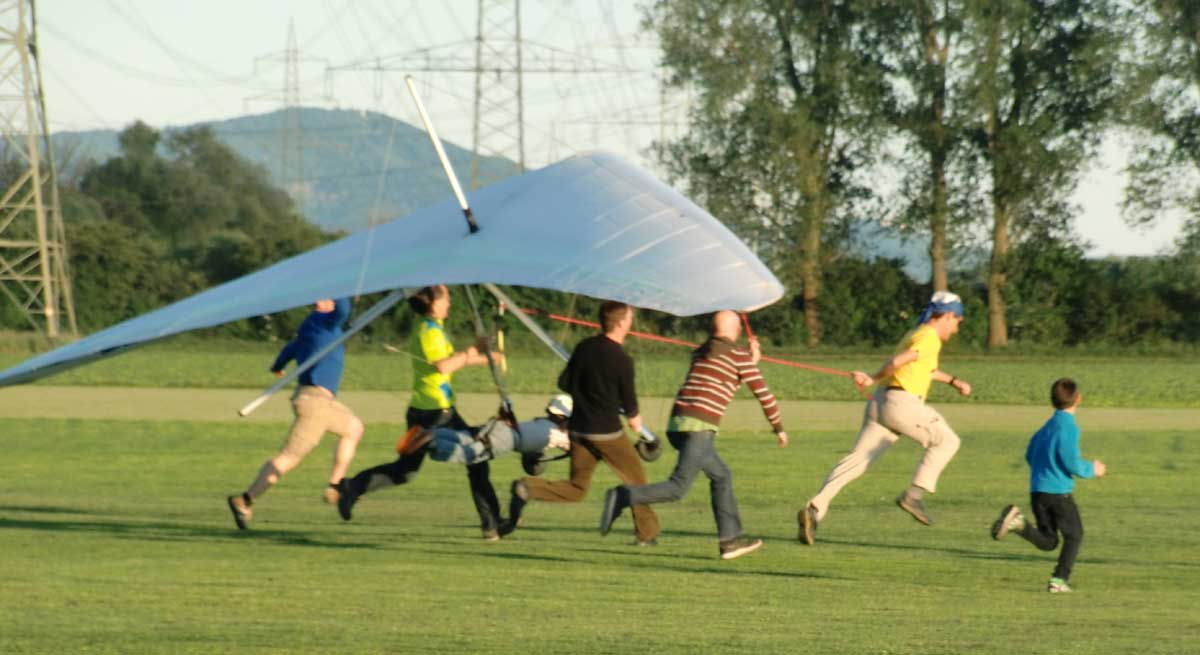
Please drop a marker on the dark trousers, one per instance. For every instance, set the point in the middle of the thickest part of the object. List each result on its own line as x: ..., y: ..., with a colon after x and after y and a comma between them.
x: 1055, y: 513
x: 620, y: 456
x: 697, y: 452
x: 405, y: 468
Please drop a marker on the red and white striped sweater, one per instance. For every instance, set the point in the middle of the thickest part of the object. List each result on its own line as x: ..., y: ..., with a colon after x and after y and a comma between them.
x: 719, y: 367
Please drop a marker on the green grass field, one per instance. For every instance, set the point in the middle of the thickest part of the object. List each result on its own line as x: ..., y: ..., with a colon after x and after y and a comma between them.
x: 114, y: 538
x: 1106, y: 381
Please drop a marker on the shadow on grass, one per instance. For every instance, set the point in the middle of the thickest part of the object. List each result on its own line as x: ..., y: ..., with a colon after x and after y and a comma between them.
x: 50, y: 509
x: 176, y: 532
x: 1030, y: 555
x: 618, y: 532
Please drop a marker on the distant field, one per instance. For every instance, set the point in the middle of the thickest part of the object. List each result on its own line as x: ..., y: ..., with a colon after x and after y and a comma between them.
x: 115, y: 539
x: 1106, y: 382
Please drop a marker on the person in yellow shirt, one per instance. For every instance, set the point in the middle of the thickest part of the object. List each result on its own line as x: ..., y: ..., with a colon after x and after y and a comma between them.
x: 431, y: 407
x: 898, y: 408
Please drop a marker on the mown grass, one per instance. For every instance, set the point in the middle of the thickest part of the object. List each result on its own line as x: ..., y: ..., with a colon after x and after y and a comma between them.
x: 115, y: 539
x: 1106, y: 382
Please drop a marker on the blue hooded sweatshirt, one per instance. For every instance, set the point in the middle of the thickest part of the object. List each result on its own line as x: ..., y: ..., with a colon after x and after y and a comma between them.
x: 315, y: 332
x: 1053, y: 456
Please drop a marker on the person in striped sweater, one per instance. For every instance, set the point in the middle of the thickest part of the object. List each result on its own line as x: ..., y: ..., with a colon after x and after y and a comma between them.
x: 718, y: 368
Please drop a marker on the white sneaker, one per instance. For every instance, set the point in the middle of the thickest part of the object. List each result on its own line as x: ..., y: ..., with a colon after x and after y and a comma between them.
x: 1010, y: 519
x: 1058, y: 586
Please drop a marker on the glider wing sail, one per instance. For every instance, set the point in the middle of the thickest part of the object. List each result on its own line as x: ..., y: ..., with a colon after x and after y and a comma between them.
x: 593, y: 224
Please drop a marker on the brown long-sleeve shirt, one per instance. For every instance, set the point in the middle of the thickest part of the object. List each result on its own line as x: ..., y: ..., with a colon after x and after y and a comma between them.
x: 718, y: 368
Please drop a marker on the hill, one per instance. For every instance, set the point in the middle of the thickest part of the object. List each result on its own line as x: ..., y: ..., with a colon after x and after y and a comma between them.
x: 345, y: 153
x: 356, y: 165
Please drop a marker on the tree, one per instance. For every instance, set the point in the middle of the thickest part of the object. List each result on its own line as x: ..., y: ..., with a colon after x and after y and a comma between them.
x: 787, y: 122
x: 149, y: 228
x: 1042, y: 86
x: 924, y: 44
x: 1164, y: 110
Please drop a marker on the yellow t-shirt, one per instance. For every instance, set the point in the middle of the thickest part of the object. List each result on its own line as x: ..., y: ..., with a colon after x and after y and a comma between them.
x: 915, y: 376
x: 427, y: 344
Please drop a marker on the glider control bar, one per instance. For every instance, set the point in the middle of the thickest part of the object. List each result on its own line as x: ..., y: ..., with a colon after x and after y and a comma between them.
x: 361, y: 322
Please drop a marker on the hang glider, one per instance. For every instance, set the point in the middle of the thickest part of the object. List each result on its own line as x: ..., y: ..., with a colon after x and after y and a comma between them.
x: 592, y: 224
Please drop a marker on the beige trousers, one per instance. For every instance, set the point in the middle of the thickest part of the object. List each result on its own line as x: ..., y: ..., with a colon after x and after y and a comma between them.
x: 888, y: 412
x: 317, y: 412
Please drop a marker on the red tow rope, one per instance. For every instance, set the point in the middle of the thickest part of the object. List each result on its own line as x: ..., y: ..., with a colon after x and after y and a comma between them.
x: 680, y: 342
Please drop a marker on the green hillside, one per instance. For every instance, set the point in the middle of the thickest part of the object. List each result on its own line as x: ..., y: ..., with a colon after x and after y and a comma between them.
x: 344, y: 155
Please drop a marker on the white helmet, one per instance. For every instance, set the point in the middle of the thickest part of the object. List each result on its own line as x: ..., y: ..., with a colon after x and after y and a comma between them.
x: 560, y: 405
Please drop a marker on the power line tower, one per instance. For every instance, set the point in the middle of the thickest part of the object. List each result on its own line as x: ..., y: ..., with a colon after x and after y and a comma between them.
x: 33, y: 253
x: 291, y: 134
x: 499, y: 64
x: 499, y: 88
x: 292, y: 157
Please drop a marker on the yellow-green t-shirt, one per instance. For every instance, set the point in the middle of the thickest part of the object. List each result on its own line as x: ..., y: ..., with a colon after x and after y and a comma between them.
x: 428, y: 344
x: 915, y: 376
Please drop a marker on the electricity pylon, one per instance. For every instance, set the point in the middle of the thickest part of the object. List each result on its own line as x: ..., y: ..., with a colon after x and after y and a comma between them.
x: 500, y: 60
x: 33, y: 253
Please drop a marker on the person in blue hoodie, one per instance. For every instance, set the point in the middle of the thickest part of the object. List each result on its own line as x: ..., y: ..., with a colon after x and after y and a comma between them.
x: 1054, y: 462
x: 315, y: 406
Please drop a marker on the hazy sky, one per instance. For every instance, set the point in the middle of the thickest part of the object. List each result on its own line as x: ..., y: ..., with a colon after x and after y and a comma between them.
x: 175, y: 62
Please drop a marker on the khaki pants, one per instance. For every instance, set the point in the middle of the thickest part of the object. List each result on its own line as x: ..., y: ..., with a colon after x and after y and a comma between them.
x: 620, y: 456
x: 317, y: 412
x: 888, y: 412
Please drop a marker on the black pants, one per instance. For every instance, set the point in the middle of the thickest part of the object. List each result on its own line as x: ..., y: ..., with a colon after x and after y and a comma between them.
x: 697, y: 453
x: 404, y: 469
x: 1056, y: 513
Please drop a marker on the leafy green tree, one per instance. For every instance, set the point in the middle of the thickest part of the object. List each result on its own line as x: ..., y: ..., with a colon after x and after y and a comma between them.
x: 1042, y: 86
x: 785, y: 125
x: 119, y: 273
x: 1164, y: 110
x: 152, y: 226
x: 924, y: 44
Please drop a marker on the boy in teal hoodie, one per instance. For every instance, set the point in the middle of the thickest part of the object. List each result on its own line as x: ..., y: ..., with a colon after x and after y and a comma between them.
x: 1054, y: 460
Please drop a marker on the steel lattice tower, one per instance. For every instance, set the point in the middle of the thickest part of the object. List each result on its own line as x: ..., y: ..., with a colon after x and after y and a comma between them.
x: 501, y: 60
x: 499, y: 97
x: 33, y: 254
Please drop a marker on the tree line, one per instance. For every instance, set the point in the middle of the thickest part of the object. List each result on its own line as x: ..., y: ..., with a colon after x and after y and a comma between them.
x: 990, y: 109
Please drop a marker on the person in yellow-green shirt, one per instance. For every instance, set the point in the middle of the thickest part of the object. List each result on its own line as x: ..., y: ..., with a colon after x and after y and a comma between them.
x: 432, y: 406
x: 898, y: 408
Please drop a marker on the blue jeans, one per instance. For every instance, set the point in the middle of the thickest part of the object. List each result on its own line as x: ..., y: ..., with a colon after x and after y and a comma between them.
x: 697, y: 452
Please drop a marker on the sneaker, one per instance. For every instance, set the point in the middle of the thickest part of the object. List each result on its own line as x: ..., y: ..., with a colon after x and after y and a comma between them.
x: 1010, y: 519
x: 734, y: 548
x: 611, y: 510
x: 648, y: 543
x: 346, y: 499
x: 914, y: 506
x: 1058, y: 586
x: 331, y: 494
x: 807, y: 519
x: 491, y: 535
x: 520, y: 496
x: 241, y: 511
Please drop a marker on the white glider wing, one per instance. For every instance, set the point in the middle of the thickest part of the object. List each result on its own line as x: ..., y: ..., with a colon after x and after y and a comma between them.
x: 593, y: 224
